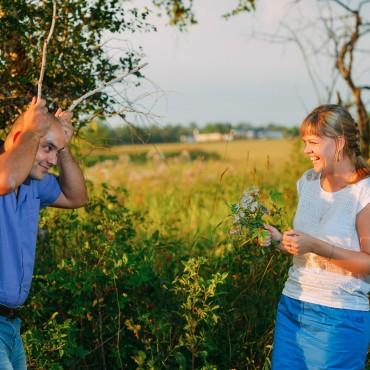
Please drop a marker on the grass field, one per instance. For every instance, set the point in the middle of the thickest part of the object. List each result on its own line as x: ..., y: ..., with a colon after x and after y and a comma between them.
x: 193, y: 196
x: 238, y: 157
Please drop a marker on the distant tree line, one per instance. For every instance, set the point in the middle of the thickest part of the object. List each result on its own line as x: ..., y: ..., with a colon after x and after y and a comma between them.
x: 100, y: 133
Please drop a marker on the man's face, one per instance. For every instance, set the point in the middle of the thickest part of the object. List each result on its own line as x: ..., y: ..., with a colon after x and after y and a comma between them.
x: 47, y: 153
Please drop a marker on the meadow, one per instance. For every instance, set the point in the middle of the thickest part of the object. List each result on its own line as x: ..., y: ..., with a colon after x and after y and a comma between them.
x: 193, y: 194
x: 148, y: 276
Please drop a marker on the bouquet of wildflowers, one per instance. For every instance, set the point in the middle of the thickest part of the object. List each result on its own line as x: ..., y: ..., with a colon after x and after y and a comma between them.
x: 247, y: 216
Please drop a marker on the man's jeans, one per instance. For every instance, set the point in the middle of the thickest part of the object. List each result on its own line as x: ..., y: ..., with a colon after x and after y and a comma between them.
x: 12, y: 356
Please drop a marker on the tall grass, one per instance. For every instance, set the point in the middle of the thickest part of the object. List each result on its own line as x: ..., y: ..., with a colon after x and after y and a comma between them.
x: 194, y: 196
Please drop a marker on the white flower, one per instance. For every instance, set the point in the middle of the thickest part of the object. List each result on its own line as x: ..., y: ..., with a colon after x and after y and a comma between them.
x: 241, y: 214
x: 254, y: 190
x: 234, y: 231
x: 236, y: 218
x: 246, y: 200
x: 253, y: 207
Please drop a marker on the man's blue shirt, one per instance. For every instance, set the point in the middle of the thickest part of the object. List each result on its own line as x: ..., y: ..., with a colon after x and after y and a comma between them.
x: 19, y: 216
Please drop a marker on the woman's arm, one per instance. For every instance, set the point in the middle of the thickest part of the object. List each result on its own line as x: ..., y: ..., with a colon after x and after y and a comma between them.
x: 298, y: 243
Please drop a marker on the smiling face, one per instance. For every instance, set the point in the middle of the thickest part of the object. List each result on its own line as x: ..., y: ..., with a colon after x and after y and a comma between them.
x: 47, y: 153
x: 321, y: 150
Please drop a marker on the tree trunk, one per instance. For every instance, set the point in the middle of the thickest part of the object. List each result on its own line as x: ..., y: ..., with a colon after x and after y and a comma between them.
x: 364, y: 124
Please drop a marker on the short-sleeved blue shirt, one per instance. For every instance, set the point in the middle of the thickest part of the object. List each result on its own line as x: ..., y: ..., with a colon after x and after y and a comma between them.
x: 19, y: 216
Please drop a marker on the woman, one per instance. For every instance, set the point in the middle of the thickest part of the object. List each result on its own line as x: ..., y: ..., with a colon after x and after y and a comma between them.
x: 323, y: 319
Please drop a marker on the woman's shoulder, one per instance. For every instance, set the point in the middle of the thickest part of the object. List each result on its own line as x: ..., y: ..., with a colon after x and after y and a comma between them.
x: 310, y: 175
x: 363, y: 184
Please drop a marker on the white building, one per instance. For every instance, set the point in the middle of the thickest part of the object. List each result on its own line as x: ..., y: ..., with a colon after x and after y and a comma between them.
x: 212, y: 136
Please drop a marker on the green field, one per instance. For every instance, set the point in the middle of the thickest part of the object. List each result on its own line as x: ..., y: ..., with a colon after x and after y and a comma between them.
x: 193, y: 193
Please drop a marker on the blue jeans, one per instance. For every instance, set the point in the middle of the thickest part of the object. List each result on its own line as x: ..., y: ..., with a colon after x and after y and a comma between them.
x: 12, y: 356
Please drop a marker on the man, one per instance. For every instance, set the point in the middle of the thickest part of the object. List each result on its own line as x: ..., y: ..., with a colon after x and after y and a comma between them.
x: 37, y: 142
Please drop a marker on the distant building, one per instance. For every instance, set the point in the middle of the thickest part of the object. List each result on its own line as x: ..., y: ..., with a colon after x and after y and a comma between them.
x: 245, y: 134
x: 187, y: 139
x: 253, y: 133
x: 212, y: 136
x: 270, y: 134
x: 258, y: 133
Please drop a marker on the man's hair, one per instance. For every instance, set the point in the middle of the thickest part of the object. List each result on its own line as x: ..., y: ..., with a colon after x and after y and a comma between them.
x: 17, y: 129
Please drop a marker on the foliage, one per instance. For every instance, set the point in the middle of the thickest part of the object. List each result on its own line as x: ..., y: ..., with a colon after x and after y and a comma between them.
x: 101, y: 134
x: 78, y: 57
x: 77, y: 60
x: 254, y: 209
x: 46, y: 347
x: 91, y: 160
x: 197, y: 309
x: 120, y: 288
x: 181, y: 13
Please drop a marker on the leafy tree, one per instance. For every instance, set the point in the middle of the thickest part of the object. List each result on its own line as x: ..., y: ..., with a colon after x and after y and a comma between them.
x: 221, y: 127
x: 77, y: 60
x: 181, y: 13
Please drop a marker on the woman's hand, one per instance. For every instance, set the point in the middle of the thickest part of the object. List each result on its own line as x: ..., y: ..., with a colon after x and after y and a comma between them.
x: 274, y: 234
x: 297, y: 243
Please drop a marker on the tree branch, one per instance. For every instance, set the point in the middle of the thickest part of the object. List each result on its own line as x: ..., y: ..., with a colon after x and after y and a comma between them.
x: 103, y: 86
x: 364, y: 2
x: 46, y: 42
x: 345, y: 6
x: 347, y: 49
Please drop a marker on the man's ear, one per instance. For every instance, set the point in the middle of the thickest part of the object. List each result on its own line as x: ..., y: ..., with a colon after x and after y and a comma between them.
x: 16, y: 135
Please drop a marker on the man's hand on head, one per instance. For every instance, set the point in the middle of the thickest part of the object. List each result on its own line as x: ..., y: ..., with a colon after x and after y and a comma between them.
x: 35, y: 118
x: 65, y: 118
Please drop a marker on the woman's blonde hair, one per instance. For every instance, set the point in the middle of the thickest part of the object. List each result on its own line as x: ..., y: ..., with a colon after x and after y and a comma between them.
x: 334, y: 121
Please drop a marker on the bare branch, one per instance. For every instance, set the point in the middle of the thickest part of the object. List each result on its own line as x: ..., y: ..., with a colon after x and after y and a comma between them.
x: 46, y: 42
x: 365, y: 87
x: 104, y: 85
x: 347, y: 51
x: 345, y: 6
x: 364, y: 2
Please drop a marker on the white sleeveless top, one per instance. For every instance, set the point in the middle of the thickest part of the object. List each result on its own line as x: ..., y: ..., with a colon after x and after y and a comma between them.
x: 331, y: 217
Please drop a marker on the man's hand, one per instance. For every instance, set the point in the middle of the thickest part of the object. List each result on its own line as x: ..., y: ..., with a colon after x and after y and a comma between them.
x: 35, y: 118
x: 65, y: 120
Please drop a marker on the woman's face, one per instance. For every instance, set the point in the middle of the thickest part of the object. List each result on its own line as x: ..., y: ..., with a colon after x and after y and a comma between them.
x: 321, y: 151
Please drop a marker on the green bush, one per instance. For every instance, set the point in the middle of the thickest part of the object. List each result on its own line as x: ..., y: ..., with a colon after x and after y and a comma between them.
x: 106, y: 297
x: 92, y: 160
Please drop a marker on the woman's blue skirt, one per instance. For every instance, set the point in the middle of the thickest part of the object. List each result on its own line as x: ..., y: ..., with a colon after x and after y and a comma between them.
x: 310, y: 336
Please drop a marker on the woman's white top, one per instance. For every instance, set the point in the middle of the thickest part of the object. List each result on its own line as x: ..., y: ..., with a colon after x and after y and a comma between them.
x: 331, y: 217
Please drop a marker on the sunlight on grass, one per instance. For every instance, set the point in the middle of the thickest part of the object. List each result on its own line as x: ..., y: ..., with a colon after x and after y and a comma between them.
x: 192, y: 196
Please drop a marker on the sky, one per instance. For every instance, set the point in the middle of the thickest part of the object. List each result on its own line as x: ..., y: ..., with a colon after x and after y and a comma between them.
x: 218, y: 72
